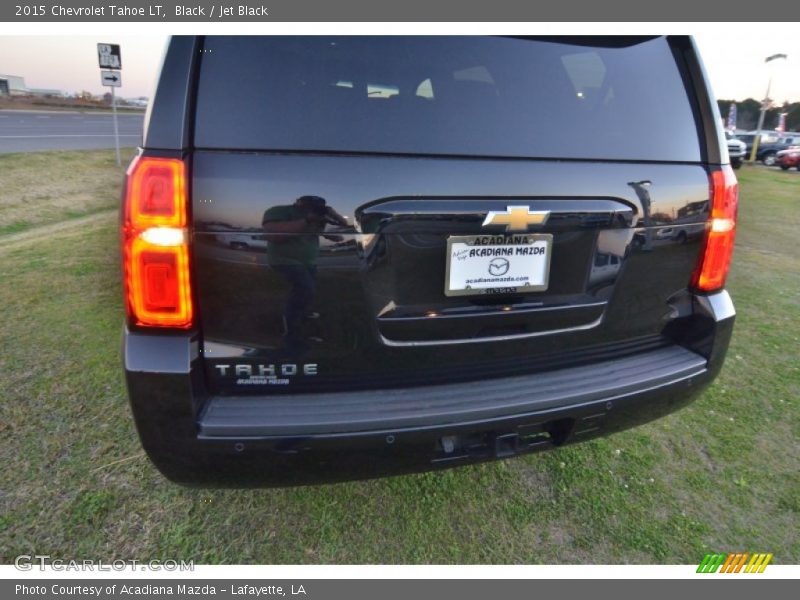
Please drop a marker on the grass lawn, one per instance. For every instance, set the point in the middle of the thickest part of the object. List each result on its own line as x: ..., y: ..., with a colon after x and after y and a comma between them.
x: 40, y: 188
x: 721, y: 475
x: 61, y: 104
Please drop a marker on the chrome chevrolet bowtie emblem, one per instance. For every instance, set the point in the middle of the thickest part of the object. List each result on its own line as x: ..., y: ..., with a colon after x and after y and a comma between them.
x: 516, y: 218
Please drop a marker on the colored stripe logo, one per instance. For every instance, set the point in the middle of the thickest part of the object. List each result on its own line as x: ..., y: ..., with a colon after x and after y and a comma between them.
x: 736, y: 562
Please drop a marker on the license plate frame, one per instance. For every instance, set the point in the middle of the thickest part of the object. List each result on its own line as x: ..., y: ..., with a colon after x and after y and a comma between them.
x: 459, y: 243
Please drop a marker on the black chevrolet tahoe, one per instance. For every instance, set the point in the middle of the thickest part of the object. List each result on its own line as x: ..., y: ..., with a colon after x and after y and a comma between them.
x: 440, y: 266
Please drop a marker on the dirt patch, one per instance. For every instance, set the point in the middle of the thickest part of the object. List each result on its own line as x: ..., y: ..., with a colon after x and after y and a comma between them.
x: 37, y: 233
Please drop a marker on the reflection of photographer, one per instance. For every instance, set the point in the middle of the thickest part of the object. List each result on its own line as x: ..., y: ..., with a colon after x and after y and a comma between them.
x: 308, y: 214
x: 292, y: 232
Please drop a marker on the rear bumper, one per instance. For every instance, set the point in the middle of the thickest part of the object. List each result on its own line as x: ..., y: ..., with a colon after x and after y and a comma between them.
x: 305, y: 438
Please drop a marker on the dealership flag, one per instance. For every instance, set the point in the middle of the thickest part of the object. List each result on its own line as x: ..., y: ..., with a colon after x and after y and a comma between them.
x: 782, y: 123
x: 732, y: 117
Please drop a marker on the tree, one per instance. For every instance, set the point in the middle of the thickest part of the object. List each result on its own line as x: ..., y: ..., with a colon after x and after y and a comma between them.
x: 793, y: 116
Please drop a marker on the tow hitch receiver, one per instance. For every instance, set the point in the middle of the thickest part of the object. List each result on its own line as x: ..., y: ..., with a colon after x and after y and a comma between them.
x: 528, y: 438
x: 506, y: 445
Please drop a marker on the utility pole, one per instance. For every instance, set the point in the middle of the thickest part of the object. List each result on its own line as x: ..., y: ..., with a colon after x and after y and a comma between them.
x: 764, y: 107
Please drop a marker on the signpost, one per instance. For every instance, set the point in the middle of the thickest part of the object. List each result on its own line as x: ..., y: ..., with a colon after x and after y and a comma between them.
x: 110, y: 57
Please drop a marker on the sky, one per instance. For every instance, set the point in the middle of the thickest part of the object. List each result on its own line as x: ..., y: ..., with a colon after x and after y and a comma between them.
x: 735, y: 64
x: 69, y: 63
x: 734, y: 61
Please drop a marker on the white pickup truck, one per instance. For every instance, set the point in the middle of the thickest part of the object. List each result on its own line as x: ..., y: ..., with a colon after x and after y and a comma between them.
x: 737, y: 150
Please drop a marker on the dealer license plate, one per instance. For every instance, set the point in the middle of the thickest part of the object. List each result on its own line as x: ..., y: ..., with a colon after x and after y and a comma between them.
x: 497, y: 264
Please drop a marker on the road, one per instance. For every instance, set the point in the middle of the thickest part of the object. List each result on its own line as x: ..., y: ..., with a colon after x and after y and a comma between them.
x: 32, y: 131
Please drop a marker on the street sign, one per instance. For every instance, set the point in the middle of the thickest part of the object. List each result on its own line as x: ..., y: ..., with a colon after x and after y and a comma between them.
x: 109, y: 56
x: 111, y: 78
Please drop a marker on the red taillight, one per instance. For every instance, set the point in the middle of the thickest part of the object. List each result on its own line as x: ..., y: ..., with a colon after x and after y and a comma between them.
x: 720, y: 233
x: 155, y: 244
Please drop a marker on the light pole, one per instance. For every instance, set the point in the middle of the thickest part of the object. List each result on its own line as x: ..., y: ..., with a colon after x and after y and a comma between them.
x: 764, y: 106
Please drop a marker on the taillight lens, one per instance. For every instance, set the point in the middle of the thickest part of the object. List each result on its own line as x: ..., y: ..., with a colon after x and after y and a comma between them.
x: 715, y: 261
x: 156, y: 244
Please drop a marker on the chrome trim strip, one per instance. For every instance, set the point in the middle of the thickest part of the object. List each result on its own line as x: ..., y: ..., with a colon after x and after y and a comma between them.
x: 498, y: 338
x: 492, y: 313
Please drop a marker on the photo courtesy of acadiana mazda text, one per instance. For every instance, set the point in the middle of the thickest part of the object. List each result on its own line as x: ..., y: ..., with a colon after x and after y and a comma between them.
x: 349, y: 257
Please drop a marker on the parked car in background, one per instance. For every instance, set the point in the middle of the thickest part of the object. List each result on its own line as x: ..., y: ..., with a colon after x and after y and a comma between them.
x: 737, y: 150
x: 786, y: 159
x: 748, y: 137
x: 767, y: 153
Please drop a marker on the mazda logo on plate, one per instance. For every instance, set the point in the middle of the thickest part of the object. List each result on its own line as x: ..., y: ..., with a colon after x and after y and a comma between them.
x: 498, y: 266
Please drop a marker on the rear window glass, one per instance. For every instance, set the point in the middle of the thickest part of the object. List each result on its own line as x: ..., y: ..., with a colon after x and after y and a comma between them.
x: 444, y: 95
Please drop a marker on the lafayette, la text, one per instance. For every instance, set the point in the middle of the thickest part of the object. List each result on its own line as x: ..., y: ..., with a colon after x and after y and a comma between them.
x: 148, y: 589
